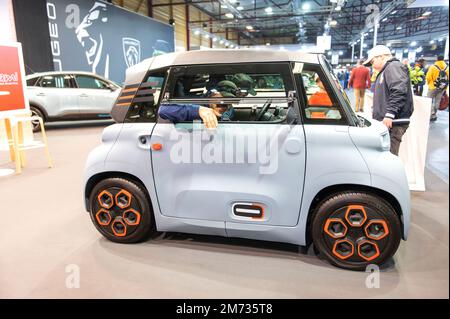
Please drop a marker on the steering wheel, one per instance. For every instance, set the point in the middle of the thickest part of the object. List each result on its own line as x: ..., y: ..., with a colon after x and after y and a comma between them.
x: 264, y: 109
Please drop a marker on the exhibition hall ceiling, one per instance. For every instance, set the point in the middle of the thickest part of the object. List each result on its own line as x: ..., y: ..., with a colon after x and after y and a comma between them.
x: 301, y: 22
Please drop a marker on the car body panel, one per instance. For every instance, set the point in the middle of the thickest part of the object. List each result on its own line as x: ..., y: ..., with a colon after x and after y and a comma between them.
x: 274, y: 182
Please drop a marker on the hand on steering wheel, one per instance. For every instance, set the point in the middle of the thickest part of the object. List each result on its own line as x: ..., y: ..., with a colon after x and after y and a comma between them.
x: 264, y: 109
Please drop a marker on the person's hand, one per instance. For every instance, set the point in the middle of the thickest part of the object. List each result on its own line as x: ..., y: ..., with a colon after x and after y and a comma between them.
x: 388, y: 122
x: 208, y: 116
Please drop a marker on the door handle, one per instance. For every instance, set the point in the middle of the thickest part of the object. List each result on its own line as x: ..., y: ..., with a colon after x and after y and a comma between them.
x: 40, y: 94
x: 84, y: 95
x: 144, y: 142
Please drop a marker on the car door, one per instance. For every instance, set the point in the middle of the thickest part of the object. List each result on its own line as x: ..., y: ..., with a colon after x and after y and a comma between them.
x: 56, y: 94
x: 95, y: 96
x: 245, y: 172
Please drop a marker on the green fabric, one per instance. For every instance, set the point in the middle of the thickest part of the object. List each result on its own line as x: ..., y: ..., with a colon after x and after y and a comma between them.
x: 244, y: 82
x: 416, y: 74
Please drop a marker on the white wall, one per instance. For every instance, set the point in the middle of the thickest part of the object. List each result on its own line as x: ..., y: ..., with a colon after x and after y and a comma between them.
x: 8, y: 30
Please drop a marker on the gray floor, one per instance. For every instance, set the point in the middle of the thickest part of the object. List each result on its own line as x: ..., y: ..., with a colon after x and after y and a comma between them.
x: 45, y: 232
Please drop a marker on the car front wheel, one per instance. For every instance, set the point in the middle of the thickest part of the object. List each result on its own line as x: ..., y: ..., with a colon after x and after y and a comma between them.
x: 120, y: 210
x: 36, y: 112
x: 355, y: 229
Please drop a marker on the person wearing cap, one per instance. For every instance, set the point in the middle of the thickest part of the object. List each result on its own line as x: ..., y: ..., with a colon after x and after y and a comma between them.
x: 209, y: 115
x: 359, y: 80
x: 392, y: 98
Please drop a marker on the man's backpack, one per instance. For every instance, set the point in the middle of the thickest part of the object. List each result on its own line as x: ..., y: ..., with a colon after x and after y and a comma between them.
x: 441, y: 82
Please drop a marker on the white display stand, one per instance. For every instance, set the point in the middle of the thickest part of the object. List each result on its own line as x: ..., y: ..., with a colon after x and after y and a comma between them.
x: 413, y: 148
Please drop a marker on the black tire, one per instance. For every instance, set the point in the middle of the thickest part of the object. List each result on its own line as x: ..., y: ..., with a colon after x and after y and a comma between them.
x: 347, y: 240
x: 36, y: 112
x: 131, y: 223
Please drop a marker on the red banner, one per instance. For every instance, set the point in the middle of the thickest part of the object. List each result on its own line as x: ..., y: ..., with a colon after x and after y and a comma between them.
x: 12, y: 95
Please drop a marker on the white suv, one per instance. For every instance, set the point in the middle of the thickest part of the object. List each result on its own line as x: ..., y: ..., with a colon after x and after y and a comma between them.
x: 56, y: 96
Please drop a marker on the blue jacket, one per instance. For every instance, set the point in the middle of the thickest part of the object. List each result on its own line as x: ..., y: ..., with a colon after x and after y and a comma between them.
x: 179, y: 113
x: 187, y: 112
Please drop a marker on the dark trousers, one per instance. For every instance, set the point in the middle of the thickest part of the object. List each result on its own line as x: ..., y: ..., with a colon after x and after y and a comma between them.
x: 396, y: 133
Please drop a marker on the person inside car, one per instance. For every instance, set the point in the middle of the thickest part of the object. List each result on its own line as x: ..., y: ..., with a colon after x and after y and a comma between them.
x: 208, y: 114
x: 320, y: 98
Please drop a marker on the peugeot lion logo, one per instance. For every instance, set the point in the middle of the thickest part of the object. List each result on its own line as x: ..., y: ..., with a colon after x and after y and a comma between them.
x: 131, y: 51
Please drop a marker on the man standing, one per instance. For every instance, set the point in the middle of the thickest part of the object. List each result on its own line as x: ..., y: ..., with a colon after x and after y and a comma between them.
x: 359, y: 80
x: 437, y: 80
x: 392, y: 99
x: 418, y: 76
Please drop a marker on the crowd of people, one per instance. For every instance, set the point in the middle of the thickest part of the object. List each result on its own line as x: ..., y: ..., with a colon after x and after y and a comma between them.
x: 434, y: 76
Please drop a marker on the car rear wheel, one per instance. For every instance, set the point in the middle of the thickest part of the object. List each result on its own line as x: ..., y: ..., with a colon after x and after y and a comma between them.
x: 120, y: 210
x: 36, y: 112
x: 355, y: 229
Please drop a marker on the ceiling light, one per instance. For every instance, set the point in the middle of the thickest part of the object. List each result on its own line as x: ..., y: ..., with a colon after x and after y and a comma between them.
x: 240, y: 8
x: 341, y: 53
x: 232, y: 1
x: 338, y: 8
x: 221, y: 41
x: 329, y: 52
x: 371, y: 30
x: 384, y: 20
x: 268, y: 10
x: 394, y: 12
x: 206, y: 35
x: 249, y: 27
x: 268, y: 43
x: 196, y: 32
x: 440, y: 39
x: 413, y: 44
x: 399, y: 28
x: 214, y: 39
x: 405, y: 51
x: 365, y: 45
x: 306, y: 6
x: 432, y: 42
x: 333, y: 23
x: 419, y: 49
x: 389, y: 44
x: 229, y: 15
x: 223, y: 6
x: 426, y: 13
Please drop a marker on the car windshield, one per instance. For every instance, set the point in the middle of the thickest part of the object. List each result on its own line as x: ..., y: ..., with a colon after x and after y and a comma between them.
x: 341, y: 90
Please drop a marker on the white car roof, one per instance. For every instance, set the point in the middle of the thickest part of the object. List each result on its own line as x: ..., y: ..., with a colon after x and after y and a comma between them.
x: 30, y: 76
x: 136, y: 73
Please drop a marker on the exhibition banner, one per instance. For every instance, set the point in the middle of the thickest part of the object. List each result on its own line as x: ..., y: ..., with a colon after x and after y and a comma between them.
x: 12, y: 81
x: 95, y: 36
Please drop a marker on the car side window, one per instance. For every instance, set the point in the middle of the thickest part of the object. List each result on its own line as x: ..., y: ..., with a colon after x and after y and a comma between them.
x: 238, y: 92
x: 33, y: 81
x: 320, y: 103
x: 144, y: 104
x: 89, y: 82
x: 56, y: 81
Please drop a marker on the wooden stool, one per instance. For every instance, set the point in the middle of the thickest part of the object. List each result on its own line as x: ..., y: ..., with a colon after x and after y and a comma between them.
x: 18, y: 144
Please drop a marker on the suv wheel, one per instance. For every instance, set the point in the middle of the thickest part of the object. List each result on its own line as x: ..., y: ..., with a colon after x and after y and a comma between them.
x: 355, y: 229
x: 36, y: 112
x: 120, y: 210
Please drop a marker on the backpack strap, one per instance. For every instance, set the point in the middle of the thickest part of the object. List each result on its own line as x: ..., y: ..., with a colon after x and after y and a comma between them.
x: 439, y: 67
